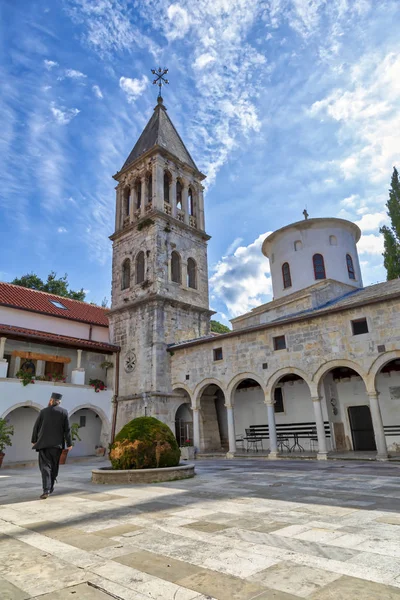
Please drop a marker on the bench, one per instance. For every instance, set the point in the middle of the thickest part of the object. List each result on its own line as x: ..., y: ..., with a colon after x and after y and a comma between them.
x: 285, y: 431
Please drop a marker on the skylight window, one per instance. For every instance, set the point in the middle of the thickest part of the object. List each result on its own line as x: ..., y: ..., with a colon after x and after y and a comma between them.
x: 58, y: 304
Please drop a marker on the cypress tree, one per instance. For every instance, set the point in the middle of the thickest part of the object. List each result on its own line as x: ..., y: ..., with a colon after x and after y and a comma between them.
x: 391, y: 234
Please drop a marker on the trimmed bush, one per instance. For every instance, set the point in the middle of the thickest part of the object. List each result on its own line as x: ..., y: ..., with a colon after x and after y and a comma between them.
x: 144, y: 443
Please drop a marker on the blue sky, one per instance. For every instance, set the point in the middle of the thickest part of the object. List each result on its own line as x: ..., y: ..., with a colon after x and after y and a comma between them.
x: 282, y: 103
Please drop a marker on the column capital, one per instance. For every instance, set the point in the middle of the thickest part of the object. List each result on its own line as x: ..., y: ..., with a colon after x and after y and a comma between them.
x: 373, y: 394
x: 269, y: 402
x: 195, y: 408
x: 228, y: 405
x: 316, y: 398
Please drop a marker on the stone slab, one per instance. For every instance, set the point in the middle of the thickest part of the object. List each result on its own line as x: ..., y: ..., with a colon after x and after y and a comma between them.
x: 83, y: 591
x: 158, y: 565
x: 223, y: 587
x: 117, y: 530
x: 69, y: 535
x: 8, y: 591
x: 206, y: 526
x: 349, y: 588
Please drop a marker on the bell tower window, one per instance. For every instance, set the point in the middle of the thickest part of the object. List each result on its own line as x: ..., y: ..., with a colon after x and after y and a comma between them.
x: 319, y: 266
x: 176, y: 267
x: 178, y: 195
x: 150, y: 189
x: 127, y: 198
x: 191, y: 202
x: 126, y: 274
x: 140, y: 267
x: 191, y: 273
x: 138, y: 189
x: 287, y: 280
x: 167, y: 181
x: 350, y: 267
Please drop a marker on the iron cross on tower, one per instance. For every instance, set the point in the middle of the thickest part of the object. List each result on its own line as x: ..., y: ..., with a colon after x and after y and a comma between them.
x: 160, y: 79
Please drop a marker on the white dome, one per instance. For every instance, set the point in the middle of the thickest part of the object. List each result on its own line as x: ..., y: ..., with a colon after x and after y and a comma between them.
x: 306, y: 252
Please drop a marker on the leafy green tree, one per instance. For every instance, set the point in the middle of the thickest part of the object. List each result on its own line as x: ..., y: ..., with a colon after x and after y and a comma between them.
x: 57, y: 286
x: 391, y: 234
x: 217, y: 327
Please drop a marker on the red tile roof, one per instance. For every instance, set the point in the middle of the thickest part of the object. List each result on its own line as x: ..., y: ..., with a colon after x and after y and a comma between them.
x: 22, y: 298
x: 53, y: 338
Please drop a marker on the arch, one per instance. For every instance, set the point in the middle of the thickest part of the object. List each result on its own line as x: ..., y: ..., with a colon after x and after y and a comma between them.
x: 28, y: 403
x: 377, y: 365
x: 191, y: 201
x: 273, y: 380
x: 332, y: 364
x: 287, y: 280
x: 176, y: 272
x: 199, y: 389
x: 191, y: 273
x: 298, y: 245
x: 179, y: 188
x: 167, y: 183
x: 126, y: 274
x: 138, y: 192
x: 176, y: 386
x: 140, y: 267
x: 350, y: 267
x: 127, y: 201
x: 319, y: 266
x: 332, y: 240
x: 102, y: 415
x: 235, y: 381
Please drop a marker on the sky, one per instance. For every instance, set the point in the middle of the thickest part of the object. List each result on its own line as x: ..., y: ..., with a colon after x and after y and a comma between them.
x: 284, y: 104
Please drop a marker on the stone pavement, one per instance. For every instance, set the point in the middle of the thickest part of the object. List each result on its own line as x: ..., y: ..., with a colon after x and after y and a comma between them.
x: 239, y: 530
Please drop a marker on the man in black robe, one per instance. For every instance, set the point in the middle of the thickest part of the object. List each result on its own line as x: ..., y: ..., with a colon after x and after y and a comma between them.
x: 50, y: 433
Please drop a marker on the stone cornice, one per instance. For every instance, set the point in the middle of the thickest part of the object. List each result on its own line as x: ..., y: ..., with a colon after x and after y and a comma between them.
x: 160, y: 299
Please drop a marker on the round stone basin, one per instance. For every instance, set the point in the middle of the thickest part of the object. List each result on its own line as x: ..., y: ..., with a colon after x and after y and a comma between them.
x: 105, y: 475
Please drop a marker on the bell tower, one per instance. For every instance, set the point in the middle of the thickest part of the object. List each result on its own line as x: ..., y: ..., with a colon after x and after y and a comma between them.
x: 159, y: 272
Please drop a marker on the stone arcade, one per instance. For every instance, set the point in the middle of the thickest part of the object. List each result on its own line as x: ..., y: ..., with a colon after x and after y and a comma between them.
x: 325, y: 351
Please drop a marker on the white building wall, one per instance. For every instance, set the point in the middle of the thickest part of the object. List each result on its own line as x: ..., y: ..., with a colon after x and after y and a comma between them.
x: 89, y: 434
x: 23, y: 420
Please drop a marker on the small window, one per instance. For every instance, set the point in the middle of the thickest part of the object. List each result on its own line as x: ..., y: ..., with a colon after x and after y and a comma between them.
x: 287, y: 280
x: 190, y: 201
x: 150, y: 189
x: 319, y: 266
x: 217, y: 353
x: 333, y: 240
x: 298, y: 245
x: 176, y: 267
x: 138, y: 188
x: 126, y: 274
x: 53, y: 370
x: 179, y: 195
x: 279, y: 342
x: 82, y: 421
x: 167, y: 181
x: 127, y: 197
x: 350, y: 267
x: 58, y: 304
x: 359, y: 326
x: 140, y: 267
x: 272, y: 258
x: 191, y: 273
x: 278, y: 397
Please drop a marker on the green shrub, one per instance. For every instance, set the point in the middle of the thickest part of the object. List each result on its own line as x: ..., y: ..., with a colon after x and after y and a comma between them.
x: 144, y: 443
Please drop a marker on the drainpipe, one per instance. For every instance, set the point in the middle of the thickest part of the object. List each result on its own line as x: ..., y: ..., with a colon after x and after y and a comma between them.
x: 115, y: 397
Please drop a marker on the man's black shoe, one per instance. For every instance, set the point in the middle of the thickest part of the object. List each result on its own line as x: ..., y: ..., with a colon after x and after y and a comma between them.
x: 44, y: 496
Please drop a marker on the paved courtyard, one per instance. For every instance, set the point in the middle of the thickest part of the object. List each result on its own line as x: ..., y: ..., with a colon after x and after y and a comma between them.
x: 240, y: 529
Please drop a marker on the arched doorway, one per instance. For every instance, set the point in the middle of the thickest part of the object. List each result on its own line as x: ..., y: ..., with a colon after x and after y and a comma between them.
x: 213, y: 420
x: 184, y: 425
x: 250, y: 409
x: 387, y: 384
x: 347, y: 404
x: 90, y: 430
x: 22, y: 419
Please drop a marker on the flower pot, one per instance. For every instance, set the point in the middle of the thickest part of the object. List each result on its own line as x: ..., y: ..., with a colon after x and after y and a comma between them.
x: 187, y: 452
x: 63, y: 457
x: 1, y: 458
x: 100, y: 451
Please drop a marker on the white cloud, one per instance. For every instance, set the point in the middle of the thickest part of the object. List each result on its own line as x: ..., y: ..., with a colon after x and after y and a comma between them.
x: 371, y: 221
x: 97, y: 91
x: 241, y: 280
x: 370, y: 244
x: 63, y: 115
x: 133, y: 87
x: 179, y: 22
x: 62, y: 230
x: 72, y: 74
x: 49, y: 64
x: 203, y: 60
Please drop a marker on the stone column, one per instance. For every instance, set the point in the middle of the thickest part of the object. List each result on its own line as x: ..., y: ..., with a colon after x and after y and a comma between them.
x: 273, y: 440
x: 200, y: 209
x: 319, y: 422
x: 230, y: 415
x: 158, y: 186
x: 17, y: 365
x: 185, y: 203
x: 78, y: 374
x: 79, y: 359
x: 172, y: 195
x: 2, y: 346
x: 196, y: 429
x: 131, y: 201
x: 143, y: 196
x: 379, y: 432
x: 118, y: 220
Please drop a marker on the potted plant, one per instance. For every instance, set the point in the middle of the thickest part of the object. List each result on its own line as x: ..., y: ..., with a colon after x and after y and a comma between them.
x: 100, y: 451
x: 25, y: 377
x: 187, y: 450
x: 98, y: 385
x: 74, y: 438
x: 6, y: 431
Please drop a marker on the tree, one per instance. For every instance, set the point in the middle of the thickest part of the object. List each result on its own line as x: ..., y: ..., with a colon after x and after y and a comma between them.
x: 391, y: 234
x: 58, y: 287
x: 217, y: 327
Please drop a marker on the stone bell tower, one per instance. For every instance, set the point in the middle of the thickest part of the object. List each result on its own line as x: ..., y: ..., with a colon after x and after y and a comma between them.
x: 159, y: 277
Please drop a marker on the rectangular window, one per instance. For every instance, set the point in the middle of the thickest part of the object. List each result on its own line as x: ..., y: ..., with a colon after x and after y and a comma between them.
x: 278, y: 397
x: 279, y: 342
x: 82, y: 421
x: 359, y: 326
x: 8, y: 359
x: 54, y: 370
x: 217, y: 352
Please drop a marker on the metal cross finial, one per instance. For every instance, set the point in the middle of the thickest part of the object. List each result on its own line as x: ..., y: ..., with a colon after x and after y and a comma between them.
x: 160, y: 80
x: 305, y: 213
